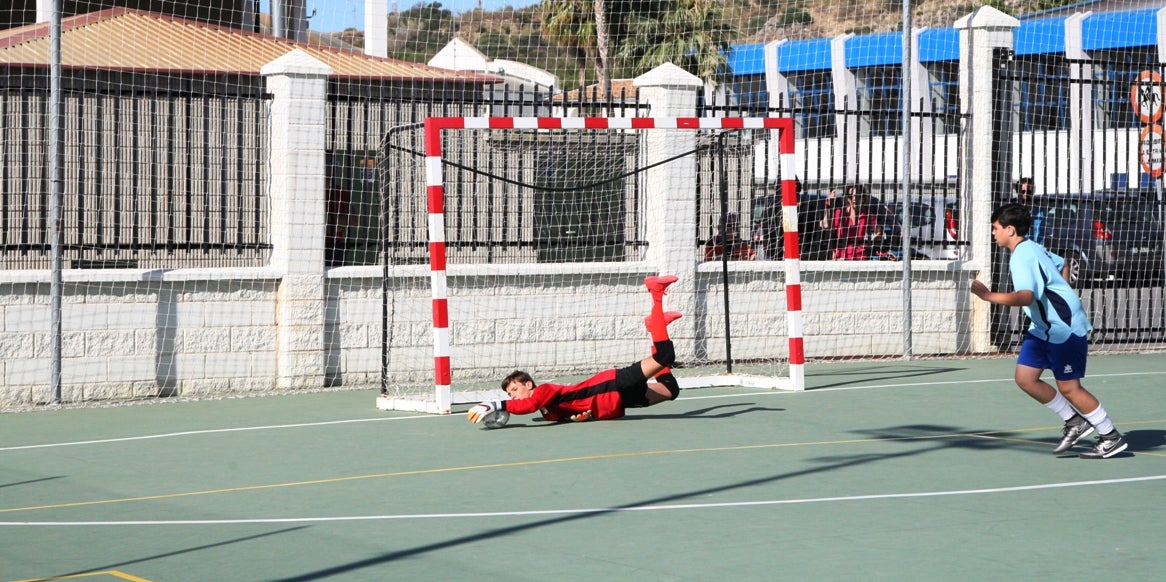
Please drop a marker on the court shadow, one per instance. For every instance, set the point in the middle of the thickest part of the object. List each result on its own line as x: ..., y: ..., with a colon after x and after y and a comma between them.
x: 721, y: 411
x: 1145, y: 440
x: 725, y: 411
x: 962, y: 438
x: 177, y: 552
x: 924, y: 438
x: 880, y: 373
x: 30, y: 481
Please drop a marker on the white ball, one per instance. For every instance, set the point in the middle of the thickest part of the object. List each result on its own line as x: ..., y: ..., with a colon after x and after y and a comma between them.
x: 496, y: 419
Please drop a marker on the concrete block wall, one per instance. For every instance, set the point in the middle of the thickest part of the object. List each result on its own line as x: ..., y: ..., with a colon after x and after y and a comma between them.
x: 124, y: 337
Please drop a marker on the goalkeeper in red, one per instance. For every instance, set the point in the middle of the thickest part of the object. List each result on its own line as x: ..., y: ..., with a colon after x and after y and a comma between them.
x: 607, y: 394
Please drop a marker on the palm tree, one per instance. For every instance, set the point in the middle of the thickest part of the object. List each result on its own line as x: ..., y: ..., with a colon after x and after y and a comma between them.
x: 633, y: 36
x: 692, y: 34
x: 571, y: 25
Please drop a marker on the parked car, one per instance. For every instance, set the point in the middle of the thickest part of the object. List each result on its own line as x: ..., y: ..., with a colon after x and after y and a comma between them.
x: 934, y: 233
x: 1104, y: 236
x: 934, y: 226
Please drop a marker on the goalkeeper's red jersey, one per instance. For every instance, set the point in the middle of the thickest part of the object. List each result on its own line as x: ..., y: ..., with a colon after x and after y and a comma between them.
x: 599, y: 394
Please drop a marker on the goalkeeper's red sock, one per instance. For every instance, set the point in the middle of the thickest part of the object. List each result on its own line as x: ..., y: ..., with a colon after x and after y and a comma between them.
x: 657, y: 325
x: 669, y: 317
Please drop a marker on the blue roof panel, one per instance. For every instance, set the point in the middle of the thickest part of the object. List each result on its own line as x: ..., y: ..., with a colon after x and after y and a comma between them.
x: 804, y: 55
x: 1040, y: 37
x: 870, y: 50
x: 747, y: 59
x: 1116, y: 30
x: 939, y: 44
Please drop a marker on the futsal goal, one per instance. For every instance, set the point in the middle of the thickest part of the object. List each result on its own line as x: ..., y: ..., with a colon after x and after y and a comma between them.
x: 522, y: 243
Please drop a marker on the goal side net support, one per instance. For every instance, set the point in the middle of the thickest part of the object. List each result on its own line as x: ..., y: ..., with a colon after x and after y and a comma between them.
x: 529, y: 248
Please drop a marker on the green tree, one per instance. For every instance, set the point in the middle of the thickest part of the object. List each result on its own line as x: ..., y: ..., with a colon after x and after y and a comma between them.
x: 418, y: 30
x: 642, y: 34
x: 692, y: 34
x: 570, y: 24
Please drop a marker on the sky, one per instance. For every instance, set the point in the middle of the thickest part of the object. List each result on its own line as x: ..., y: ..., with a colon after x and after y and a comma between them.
x: 337, y: 15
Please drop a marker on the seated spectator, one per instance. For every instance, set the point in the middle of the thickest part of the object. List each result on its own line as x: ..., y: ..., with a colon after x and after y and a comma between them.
x: 852, y: 224
x: 731, y: 244
x: 1026, y: 197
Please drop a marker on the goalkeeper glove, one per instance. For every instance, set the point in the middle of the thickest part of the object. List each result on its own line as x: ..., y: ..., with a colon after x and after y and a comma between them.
x: 479, y: 411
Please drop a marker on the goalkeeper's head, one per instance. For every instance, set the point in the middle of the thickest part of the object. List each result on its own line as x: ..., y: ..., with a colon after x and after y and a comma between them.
x: 518, y: 384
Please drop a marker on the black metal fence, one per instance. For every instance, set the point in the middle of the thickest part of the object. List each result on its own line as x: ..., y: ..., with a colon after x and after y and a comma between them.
x: 1071, y: 131
x: 853, y: 146
x: 155, y: 176
x: 511, y: 196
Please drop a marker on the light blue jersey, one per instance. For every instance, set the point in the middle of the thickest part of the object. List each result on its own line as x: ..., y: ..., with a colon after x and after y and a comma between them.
x: 1056, y: 311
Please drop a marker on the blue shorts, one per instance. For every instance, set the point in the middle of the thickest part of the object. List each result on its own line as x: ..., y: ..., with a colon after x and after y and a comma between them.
x: 1067, y: 360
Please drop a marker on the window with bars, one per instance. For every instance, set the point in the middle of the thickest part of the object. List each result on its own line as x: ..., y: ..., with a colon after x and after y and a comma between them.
x: 1043, y: 93
x: 811, y: 96
x: 1114, y: 73
x: 944, y: 83
x: 751, y: 95
x: 879, y: 94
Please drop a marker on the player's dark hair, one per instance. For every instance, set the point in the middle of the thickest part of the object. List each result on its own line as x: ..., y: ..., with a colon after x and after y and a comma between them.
x: 516, y: 375
x: 1014, y: 215
x: 1025, y: 181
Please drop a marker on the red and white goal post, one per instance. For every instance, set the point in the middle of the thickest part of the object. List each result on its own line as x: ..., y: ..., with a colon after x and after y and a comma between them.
x: 562, y: 320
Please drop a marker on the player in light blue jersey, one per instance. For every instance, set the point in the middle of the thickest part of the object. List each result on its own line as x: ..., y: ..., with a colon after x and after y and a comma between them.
x: 1056, y: 338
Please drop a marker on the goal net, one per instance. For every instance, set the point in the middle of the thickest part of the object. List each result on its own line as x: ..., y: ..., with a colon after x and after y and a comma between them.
x: 523, y: 243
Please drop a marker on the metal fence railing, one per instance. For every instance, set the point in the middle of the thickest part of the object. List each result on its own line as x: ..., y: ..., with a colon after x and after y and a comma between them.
x: 154, y: 178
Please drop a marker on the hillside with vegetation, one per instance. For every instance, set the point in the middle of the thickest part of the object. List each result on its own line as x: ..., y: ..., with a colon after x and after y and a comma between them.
x: 418, y: 33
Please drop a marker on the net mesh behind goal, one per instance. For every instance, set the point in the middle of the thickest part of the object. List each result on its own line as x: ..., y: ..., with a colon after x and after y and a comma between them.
x: 523, y: 243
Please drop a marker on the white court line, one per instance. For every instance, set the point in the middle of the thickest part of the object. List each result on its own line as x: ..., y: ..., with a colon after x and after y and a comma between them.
x: 357, y: 420
x: 210, y: 431
x: 528, y: 513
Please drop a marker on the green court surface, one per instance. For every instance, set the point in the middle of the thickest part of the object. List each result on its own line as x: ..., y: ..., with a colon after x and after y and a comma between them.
x: 921, y: 470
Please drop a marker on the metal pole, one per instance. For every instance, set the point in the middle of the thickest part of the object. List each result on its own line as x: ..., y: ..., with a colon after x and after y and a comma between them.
x: 277, y: 29
x: 1162, y: 213
x: 725, y: 250
x: 57, y: 181
x: 905, y: 162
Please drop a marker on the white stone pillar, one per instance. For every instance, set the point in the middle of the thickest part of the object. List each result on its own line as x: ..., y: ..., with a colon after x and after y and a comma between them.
x: 981, y: 32
x: 1160, y: 18
x: 298, y: 84
x: 671, y: 208
x: 376, y: 28
x: 44, y: 11
x: 670, y: 205
x: 922, y: 154
x: 1078, y: 170
x: 845, y: 99
x: 777, y: 88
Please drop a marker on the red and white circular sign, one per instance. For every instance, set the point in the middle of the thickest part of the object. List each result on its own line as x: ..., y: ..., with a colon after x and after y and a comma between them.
x: 1152, y: 150
x: 1146, y: 96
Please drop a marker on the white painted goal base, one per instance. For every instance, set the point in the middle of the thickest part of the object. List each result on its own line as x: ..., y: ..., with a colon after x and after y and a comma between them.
x: 385, y: 402
x: 742, y: 380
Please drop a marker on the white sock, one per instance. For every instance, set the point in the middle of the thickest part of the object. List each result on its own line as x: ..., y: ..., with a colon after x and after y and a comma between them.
x: 1061, y: 406
x: 1100, y: 420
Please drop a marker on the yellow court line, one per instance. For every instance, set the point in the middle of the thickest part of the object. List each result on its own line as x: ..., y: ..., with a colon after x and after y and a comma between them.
x: 986, y: 435
x: 114, y: 573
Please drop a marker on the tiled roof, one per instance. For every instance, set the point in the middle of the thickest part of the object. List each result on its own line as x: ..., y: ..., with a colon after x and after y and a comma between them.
x: 619, y: 88
x: 133, y: 40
